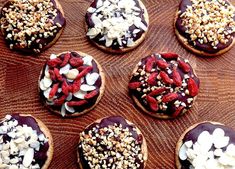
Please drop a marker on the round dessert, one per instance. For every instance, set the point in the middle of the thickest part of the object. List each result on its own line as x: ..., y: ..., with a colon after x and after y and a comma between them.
x: 71, y: 83
x: 25, y: 142
x: 206, y: 145
x: 112, y: 142
x: 206, y: 27
x: 164, y: 85
x: 117, y: 26
x: 31, y: 26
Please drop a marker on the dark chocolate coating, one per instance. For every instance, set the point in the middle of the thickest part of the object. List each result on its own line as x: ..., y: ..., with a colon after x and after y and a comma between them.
x: 39, y: 156
x: 91, y: 102
x: 115, y: 45
x: 195, y: 132
x: 207, y: 47
x: 43, y: 41
x: 171, y: 107
x: 110, y: 121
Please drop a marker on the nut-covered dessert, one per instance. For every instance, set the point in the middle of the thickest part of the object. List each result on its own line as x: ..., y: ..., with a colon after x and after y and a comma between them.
x: 164, y: 85
x: 207, y: 145
x: 206, y: 27
x: 31, y: 26
x: 25, y: 142
x: 117, y: 26
x: 71, y: 83
x: 112, y: 142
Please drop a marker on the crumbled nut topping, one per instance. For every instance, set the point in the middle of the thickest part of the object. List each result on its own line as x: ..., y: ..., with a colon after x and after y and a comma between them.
x: 111, y: 147
x: 210, y: 151
x: 209, y: 21
x: 18, y: 145
x: 113, y: 19
x: 25, y: 22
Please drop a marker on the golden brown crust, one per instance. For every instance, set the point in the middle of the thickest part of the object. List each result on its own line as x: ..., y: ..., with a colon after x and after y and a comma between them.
x: 184, y: 42
x: 59, y: 7
x: 144, y: 147
x: 48, y: 135
x: 127, y: 49
x: 158, y: 115
x: 180, y: 141
x: 102, y: 88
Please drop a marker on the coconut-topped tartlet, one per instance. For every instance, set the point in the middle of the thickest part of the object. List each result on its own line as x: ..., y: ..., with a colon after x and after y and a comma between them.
x: 206, y: 27
x: 25, y: 142
x: 31, y: 26
x: 112, y: 142
x: 71, y: 83
x: 206, y: 145
x: 164, y: 85
x: 117, y: 26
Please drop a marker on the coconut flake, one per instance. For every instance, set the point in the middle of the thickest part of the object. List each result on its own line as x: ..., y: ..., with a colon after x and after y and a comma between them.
x: 91, y: 78
x: 28, y: 157
x: 65, y: 69
x: 68, y: 108
x: 87, y: 88
x: 80, y: 94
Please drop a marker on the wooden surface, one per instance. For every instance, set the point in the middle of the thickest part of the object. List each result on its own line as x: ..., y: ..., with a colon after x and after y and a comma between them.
x: 216, y: 100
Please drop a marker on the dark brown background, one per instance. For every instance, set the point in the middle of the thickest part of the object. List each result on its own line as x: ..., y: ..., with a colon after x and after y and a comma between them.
x: 19, y: 74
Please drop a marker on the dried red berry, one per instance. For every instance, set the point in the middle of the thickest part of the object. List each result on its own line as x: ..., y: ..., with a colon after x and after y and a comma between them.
x: 66, y: 59
x: 177, y: 111
x: 58, y: 75
x: 184, y: 66
x: 162, y: 64
x: 53, y: 90
x: 91, y: 94
x: 153, y: 104
x: 166, y: 79
x: 77, y: 103
x: 169, y: 55
x: 176, y: 78
x: 76, y: 85
x: 76, y: 62
x: 134, y: 85
x: 52, y: 75
x: 149, y: 64
x: 152, y: 80
x: 84, y: 72
x: 157, y: 91
x: 54, y: 62
x: 192, y: 87
x: 169, y: 97
x: 65, y: 88
x: 60, y: 101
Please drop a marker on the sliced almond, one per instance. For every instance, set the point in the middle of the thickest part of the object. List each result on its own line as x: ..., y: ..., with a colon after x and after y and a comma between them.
x: 63, y: 111
x: 68, y: 108
x: 72, y: 74
x: 91, y: 78
x: 47, y: 82
x: 87, y: 88
x: 87, y: 60
x: 41, y: 85
x: 80, y: 94
x: 65, y: 69
x: 182, y: 152
x: 28, y: 157
x: 53, y: 56
x: 47, y: 92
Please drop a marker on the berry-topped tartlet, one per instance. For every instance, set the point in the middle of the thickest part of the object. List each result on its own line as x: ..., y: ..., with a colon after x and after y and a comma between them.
x: 31, y: 26
x: 71, y: 83
x: 117, y: 26
x: 25, y: 143
x: 206, y: 27
x: 206, y: 145
x: 164, y: 85
x: 112, y: 142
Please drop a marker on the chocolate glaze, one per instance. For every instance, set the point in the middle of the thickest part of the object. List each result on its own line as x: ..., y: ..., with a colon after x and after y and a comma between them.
x: 39, y: 156
x: 43, y: 41
x: 207, y: 47
x: 171, y: 107
x: 115, y: 44
x: 91, y: 102
x: 195, y: 132
x: 110, y: 121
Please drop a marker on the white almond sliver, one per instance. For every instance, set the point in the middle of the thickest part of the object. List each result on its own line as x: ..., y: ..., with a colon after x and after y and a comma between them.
x: 28, y: 157
x: 80, y: 94
x: 91, y: 78
x: 142, y: 26
x: 182, y: 152
x: 91, y: 10
x: 108, y: 42
x: 203, y: 137
x: 63, y: 111
x: 188, y: 144
x: 93, y: 32
x: 87, y: 88
x: 221, y: 142
x: 72, y: 74
x: 41, y: 85
x: 47, y: 82
x: 47, y: 71
x: 87, y: 60
x: 231, y: 150
x: 69, y: 109
x: 47, y: 92
x: 53, y: 56
x: 70, y: 96
x: 65, y: 69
